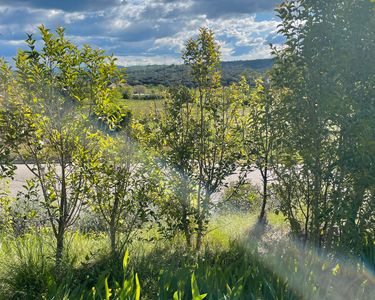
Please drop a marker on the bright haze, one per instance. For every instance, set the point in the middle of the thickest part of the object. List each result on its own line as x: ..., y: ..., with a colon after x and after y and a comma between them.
x: 145, y: 32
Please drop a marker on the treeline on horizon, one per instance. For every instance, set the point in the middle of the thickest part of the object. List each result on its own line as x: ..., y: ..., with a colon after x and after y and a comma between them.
x: 169, y: 75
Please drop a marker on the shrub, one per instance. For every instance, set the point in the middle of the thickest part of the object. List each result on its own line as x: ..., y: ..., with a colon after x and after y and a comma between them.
x: 243, y: 198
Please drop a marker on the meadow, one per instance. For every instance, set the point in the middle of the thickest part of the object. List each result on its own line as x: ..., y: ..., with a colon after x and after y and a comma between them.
x: 141, y: 108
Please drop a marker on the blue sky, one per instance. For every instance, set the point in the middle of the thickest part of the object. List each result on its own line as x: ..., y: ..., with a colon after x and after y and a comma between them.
x: 148, y: 31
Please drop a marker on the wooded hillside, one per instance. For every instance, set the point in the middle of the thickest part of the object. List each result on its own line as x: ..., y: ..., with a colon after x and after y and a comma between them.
x: 168, y: 75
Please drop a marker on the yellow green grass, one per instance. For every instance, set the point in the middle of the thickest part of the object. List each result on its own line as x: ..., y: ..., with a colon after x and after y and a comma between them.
x: 143, y: 107
x: 227, y: 227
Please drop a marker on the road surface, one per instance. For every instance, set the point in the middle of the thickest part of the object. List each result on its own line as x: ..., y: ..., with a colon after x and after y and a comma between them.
x: 22, y: 173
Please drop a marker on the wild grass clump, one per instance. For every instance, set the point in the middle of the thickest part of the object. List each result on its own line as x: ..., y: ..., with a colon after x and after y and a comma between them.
x: 27, y: 270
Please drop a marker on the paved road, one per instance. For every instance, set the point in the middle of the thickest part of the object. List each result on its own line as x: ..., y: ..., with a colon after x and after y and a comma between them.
x: 22, y: 173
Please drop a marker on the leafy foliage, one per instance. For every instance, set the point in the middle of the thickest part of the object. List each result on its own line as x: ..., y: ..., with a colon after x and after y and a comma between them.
x: 123, y: 185
x: 53, y: 95
x: 325, y: 171
x: 197, y: 137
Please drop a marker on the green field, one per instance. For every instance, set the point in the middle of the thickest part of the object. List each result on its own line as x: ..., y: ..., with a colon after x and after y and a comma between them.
x: 143, y: 107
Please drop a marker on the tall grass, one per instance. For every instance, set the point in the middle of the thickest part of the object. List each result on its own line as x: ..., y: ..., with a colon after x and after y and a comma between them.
x: 248, y: 265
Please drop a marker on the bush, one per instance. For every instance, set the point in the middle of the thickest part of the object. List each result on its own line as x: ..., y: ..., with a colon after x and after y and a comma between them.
x: 243, y: 198
x: 127, y: 92
x: 147, y: 97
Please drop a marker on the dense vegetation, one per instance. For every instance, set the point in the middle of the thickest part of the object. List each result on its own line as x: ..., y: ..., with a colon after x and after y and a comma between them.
x: 170, y: 188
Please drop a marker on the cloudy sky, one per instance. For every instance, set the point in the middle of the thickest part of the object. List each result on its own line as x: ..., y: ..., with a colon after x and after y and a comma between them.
x: 148, y: 31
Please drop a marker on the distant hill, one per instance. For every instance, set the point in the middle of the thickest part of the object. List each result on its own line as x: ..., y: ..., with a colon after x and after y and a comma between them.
x: 179, y: 74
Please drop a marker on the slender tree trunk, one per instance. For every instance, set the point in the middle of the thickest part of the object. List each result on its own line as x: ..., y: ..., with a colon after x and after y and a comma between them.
x: 112, y: 237
x: 199, y: 237
x: 62, y: 217
x: 307, y: 218
x: 315, y: 221
x: 199, y: 227
x: 201, y: 154
x: 338, y: 192
x: 352, y: 239
x: 59, y: 246
x: 187, y: 237
x: 262, y: 214
x: 201, y: 221
x: 112, y: 227
x: 186, y: 226
x: 267, y: 154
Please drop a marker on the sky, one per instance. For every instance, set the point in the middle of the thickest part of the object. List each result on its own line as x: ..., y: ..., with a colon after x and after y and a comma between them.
x: 145, y: 32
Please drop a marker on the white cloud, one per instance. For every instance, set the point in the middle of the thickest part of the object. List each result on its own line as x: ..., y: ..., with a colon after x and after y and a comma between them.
x: 127, y: 61
x: 73, y: 17
x: 230, y: 33
x: 16, y: 42
x: 148, y: 31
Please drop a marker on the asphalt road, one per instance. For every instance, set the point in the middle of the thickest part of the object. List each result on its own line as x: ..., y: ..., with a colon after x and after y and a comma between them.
x: 22, y: 173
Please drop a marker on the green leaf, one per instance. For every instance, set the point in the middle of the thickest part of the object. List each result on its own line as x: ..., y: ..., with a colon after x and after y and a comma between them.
x: 126, y: 260
x: 195, y: 290
x: 108, y: 291
x: 137, y: 288
x: 176, y: 295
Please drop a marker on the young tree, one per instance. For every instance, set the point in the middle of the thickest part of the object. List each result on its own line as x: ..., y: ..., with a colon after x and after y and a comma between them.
x: 124, y: 186
x: 217, y: 137
x: 172, y: 134
x: 258, y: 125
x: 199, y: 141
x: 326, y: 79
x: 60, y: 89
